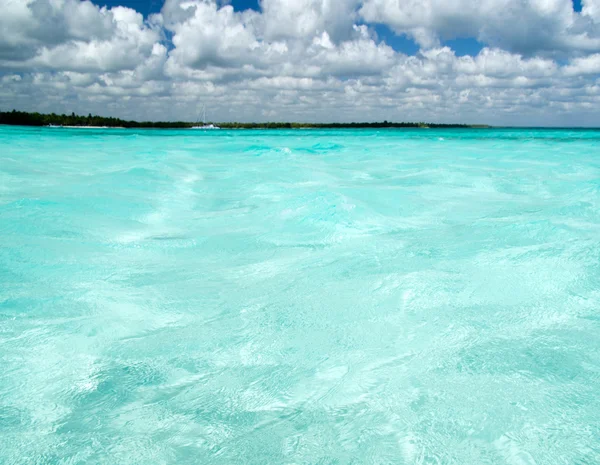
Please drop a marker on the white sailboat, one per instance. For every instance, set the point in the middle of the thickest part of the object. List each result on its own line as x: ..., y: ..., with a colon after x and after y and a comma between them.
x: 204, y: 125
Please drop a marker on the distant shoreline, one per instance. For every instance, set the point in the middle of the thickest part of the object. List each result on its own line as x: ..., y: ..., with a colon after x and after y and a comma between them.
x: 85, y: 127
x: 21, y: 118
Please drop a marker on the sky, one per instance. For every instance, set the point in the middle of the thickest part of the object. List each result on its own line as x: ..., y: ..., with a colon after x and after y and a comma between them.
x: 500, y: 62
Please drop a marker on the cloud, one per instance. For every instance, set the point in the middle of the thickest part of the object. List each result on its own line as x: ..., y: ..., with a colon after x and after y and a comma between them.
x: 313, y: 60
x: 550, y: 27
x: 28, y: 24
x: 591, y: 9
x: 589, y: 65
x: 206, y: 35
x: 72, y: 35
x: 301, y: 19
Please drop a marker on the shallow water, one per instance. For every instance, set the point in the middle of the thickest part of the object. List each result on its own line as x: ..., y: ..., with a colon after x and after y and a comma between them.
x: 299, y: 297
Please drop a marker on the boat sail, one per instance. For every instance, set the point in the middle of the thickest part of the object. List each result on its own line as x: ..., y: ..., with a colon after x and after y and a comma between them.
x: 204, y: 125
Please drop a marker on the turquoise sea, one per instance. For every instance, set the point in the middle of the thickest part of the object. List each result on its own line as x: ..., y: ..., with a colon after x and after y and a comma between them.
x: 299, y: 297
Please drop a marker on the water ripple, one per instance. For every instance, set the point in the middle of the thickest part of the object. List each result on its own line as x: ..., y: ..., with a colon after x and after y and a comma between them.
x: 315, y: 297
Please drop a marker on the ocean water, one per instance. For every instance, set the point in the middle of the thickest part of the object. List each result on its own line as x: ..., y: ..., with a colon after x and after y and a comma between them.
x: 299, y: 297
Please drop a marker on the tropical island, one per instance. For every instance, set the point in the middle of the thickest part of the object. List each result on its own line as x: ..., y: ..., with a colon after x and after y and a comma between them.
x: 22, y: 118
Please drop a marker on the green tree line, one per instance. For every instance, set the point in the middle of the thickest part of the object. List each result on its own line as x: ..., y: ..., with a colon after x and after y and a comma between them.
x: 22, y: 118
